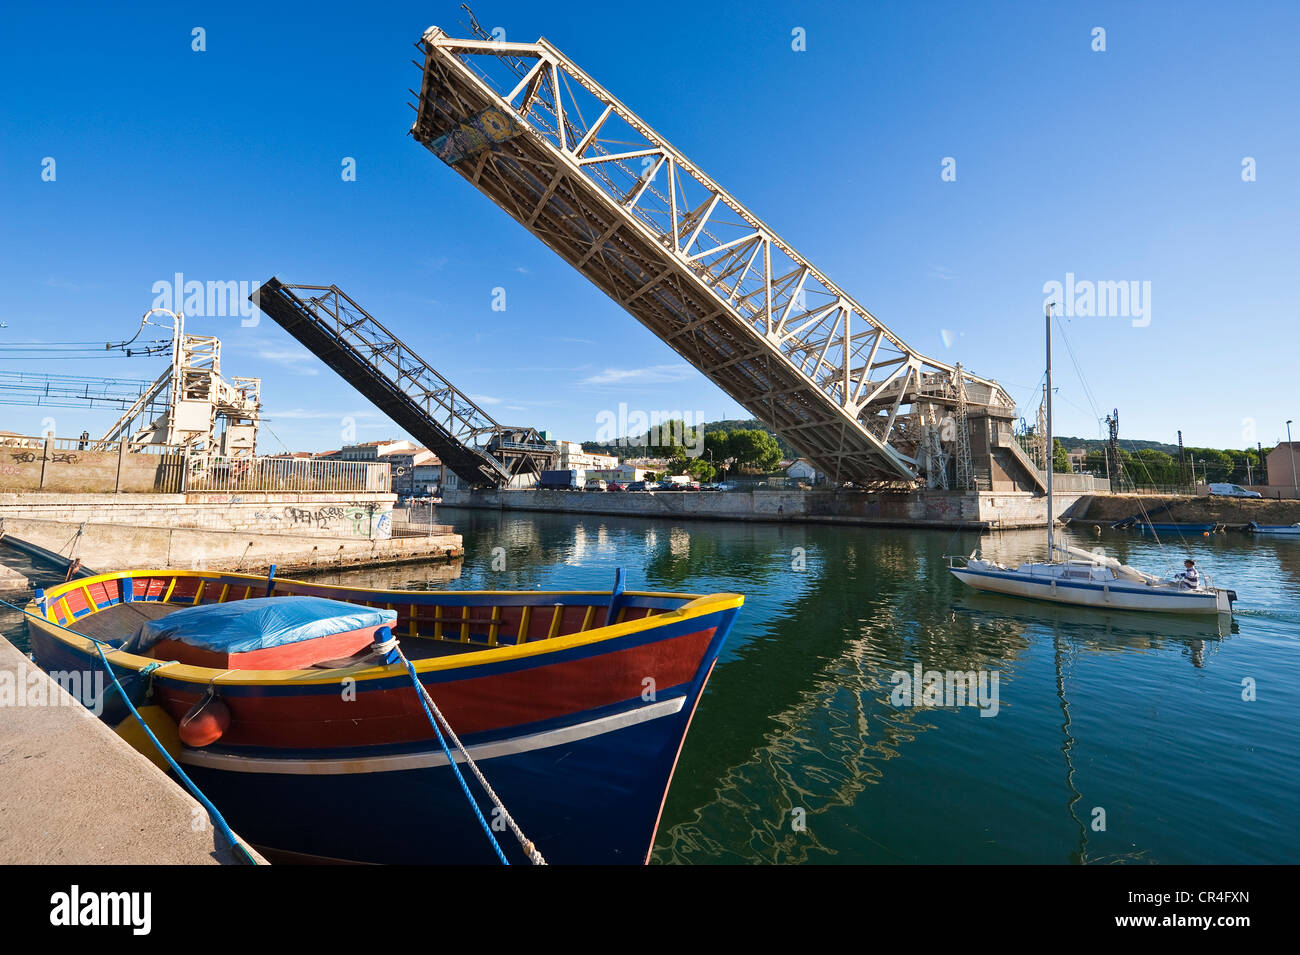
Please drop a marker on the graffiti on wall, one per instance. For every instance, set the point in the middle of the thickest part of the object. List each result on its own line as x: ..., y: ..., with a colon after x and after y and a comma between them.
x: 354, y: 518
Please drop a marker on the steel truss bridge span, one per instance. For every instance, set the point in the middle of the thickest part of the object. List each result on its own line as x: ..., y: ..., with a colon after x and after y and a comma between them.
x: 537, y: 135
x: 403, y: 385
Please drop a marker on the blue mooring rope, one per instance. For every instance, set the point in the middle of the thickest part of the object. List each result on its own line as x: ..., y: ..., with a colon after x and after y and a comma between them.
x: 217, y: 819
x: 410, y: 668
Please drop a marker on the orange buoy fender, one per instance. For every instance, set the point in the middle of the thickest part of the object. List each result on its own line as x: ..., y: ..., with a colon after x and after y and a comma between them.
x: 205, y: 722
x: 164, y: 729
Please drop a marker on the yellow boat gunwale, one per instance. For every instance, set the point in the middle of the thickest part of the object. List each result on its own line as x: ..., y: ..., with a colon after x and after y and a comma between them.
x: 698, y: 606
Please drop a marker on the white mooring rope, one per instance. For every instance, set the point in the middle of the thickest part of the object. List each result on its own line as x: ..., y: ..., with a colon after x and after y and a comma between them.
x: 530, y: 850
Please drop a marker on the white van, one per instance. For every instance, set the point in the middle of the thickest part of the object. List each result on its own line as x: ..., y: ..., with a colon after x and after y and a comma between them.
x: 1232, y: 490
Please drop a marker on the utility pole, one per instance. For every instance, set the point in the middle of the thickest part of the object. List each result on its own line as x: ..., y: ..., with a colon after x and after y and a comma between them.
x: 1182, y: 459
x: 1115, y: 470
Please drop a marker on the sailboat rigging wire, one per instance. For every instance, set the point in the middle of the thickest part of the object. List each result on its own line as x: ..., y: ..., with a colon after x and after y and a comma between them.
x: 1087, y: 391
x: 1134, y: 459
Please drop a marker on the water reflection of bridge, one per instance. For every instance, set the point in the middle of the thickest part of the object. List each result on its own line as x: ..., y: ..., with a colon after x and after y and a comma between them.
x: 798, y: 712
x: 836, y: 730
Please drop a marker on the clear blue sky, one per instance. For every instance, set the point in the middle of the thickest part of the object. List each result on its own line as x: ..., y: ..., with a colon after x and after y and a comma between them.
x: 1115, y: 166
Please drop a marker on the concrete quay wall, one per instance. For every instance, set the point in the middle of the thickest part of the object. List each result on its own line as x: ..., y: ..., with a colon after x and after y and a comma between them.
x: 108, y: 547
x: 973, y: 510
x: 356, y: 515
x: 73, y: 792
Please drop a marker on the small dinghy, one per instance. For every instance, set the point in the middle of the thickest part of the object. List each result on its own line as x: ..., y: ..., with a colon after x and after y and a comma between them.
x: 295, y: 707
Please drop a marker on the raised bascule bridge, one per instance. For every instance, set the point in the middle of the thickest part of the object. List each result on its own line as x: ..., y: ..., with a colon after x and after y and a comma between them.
x: 582, y: 172
x: 400, y: 383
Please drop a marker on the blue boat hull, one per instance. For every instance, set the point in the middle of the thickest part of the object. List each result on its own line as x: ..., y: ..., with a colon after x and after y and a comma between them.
x: 576, y: 727
x: 596, y: 801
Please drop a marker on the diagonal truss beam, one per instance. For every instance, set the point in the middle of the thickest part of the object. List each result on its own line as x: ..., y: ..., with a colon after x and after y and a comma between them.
x: 685, y: 257
x: 403, y: 385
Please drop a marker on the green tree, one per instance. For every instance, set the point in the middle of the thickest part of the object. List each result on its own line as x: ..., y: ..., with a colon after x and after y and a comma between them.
x: 754, y: 449
x: 1060, y: 457
x: 701, y: 470
x: 717, y: 446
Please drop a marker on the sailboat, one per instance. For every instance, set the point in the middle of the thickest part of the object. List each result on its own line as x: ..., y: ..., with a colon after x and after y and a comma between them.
x: 1072, y: 575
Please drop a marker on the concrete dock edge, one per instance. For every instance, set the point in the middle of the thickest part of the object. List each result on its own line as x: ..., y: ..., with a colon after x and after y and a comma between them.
x: 72, y: 792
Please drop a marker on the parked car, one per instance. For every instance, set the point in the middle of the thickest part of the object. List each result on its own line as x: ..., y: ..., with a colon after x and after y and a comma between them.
x: 616, y: 486
x: 1232, y: 490
x: 639, y: 485
x: 597, y: 486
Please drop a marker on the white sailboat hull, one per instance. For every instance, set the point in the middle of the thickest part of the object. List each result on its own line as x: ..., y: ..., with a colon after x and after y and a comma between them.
x: 1112, y: 595
x: 1094, y: 580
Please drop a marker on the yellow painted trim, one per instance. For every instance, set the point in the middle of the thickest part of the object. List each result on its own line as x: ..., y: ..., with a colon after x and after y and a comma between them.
x: 587, y: 619
x: 494, y: 626
x: 410, y: 624
x: 254, y: 579
x: 698, y: 606
x: 90, y: 601
x: 225, y: 589
x: 198, y: 592
x: 555, y: 622
x: 167, y: 597
x: 524, y: 618
x: 464, y: 627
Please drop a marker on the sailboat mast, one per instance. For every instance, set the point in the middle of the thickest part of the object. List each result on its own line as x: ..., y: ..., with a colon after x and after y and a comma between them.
x: 1051, y: 446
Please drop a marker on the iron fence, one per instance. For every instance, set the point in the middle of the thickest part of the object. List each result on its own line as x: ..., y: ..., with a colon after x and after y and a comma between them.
x: 416, y: 529
x: 1157, y: 489
x: 287, y: 474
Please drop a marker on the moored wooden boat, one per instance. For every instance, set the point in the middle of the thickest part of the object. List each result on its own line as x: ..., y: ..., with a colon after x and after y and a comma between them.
x: 574, y: 705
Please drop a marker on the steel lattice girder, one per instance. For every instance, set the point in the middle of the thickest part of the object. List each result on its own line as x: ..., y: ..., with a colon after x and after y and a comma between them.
x: 683, y: 256
x: 402, y: 384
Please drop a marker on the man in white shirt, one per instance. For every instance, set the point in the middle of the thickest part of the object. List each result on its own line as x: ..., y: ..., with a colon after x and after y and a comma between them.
x: 1190, y: 578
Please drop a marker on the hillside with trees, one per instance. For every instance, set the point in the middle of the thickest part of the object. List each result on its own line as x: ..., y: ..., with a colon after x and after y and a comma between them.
x: 744, y: 445
x: 1150, y: 462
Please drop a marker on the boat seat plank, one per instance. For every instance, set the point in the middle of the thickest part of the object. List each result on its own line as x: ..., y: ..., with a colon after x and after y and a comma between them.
x: 121, y: 620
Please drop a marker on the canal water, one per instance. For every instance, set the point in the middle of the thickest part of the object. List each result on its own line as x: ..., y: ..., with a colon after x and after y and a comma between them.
x: 1117, y: 737
x: 1113, y: 737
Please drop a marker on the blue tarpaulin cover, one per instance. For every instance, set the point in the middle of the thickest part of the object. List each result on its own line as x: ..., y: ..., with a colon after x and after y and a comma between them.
x: 241, y: 626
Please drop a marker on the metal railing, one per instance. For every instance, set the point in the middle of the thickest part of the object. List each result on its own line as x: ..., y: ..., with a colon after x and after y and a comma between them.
x: 115, y: 466
x: 416, y: 529
x: 1159, y: 489
x: 287, y: 474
